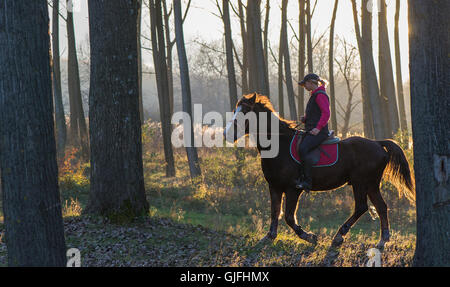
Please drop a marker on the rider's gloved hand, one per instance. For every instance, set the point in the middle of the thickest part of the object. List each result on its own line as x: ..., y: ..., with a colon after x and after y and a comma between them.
x: 314, y: 131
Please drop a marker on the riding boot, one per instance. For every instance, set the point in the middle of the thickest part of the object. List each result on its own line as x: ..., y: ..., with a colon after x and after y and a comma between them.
x: 306, y: 184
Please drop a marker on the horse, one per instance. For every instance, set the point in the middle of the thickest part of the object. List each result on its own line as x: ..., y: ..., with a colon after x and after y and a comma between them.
x: 362, y: 163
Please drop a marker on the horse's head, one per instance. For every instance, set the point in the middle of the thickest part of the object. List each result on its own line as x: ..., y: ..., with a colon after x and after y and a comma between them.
x: 244, y: 118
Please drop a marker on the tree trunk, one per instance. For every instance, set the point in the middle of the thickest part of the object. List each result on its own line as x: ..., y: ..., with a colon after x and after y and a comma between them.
x: 169, y: 47
x: 258, y: 81
x: 162, y: 82
x: 367, y: 113
x: 387, y: 85
x: 61, y: 128
x: 309, y: 37
x: 78, y: 129
x: 348, y: 108
x: 232, y: 86
x: 139, y: 27
x: 117, y: 181
x: 194, y: 165
x: 244, y: 72
x: 280, y: 73
x: 430, y: 104
x: 369, y: 83
x: 287, y: 63
x: 331, y: 69
x: 29, y: 179
x: 301, y: 58
x: 398, y: 61
x: 266, y: 46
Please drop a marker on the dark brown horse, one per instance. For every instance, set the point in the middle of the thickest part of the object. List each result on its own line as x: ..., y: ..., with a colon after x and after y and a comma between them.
x: 362, y: 163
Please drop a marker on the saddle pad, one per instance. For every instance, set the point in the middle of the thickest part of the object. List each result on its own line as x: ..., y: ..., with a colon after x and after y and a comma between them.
x: 330, y: 149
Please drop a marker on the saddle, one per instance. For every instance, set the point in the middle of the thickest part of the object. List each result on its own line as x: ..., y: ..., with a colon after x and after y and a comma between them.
x: 326, y: 154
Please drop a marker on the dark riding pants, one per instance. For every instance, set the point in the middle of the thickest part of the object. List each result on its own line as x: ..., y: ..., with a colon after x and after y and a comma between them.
x: 309, y: 143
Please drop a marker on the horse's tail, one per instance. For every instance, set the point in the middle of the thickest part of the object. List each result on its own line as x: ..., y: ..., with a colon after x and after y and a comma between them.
x: 397, y: 170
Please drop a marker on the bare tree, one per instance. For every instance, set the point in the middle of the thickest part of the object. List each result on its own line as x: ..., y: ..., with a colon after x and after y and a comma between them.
x: 372, y: 107
x: 139, y: 28
x: 194, y: 165
x: 287, y: 61
x: 301, y: 57
x: 348, y: 68
x: 387, y: 85
x: 162, y: 82
x: 309, y: 36
x: 266, y: 45
x: 331, y: 70
x: 232, y: 85
x: 31, y: 202
x: 60, y: 118
x: 429, y: 71
x: 170, y: 44
x: 244, y: 65
x: 78, y: 130
x: 280, y: 70
x: 398, y: 61
x: 255, y: 51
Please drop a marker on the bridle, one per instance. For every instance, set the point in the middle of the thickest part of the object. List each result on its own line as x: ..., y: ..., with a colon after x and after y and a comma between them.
x: 251, y: 109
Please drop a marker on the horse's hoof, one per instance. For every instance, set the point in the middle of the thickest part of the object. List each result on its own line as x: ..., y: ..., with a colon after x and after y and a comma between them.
x: 269, y: 237
x: 313, y: 239
x: 380, y: 245
x: 337, y: 241
x: 309, y: 237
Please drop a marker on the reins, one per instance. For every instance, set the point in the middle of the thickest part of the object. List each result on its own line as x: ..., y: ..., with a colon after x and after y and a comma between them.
x: 252, y: 106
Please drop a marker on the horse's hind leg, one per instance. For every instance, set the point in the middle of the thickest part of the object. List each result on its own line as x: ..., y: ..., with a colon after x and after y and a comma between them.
x: 275, y: 203
x: 360, y: 195
x: 291, y: 219
x: 381, y: 207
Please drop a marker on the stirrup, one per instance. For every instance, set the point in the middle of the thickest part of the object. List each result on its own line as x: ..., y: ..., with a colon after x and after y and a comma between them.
x: 303, y: 186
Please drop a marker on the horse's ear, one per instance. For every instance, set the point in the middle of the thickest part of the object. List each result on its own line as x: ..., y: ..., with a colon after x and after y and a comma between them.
x: 253, y: 98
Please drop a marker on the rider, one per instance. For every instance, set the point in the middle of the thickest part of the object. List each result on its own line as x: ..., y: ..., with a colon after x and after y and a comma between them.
x: 316, y: 119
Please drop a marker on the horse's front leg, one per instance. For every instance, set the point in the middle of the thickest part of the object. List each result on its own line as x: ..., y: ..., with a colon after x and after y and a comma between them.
x: 275, y: 203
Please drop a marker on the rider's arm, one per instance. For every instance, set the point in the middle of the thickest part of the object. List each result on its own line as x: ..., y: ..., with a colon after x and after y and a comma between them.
x: 324, y: 106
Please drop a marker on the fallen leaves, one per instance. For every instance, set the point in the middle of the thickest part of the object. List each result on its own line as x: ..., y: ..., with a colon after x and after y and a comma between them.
x: 164, y: 242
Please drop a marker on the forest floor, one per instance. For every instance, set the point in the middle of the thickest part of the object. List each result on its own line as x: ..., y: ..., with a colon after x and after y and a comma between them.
x: 221, y: 220
x: 153, y: 241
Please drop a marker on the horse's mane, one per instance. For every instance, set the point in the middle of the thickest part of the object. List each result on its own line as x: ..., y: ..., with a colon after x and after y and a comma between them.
x: 264, y: 103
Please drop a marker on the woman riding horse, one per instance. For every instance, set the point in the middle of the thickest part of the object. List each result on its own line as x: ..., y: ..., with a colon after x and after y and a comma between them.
x: 362, y: 163
x: 316, y: 119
